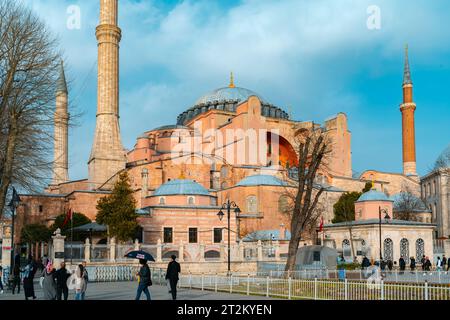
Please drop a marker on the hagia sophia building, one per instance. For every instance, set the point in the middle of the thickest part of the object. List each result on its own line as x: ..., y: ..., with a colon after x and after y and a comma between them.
x: 182, y: 173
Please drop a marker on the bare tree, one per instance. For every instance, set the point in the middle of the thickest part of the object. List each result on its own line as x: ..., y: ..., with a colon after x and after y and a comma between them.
x: 312, y: 147
x: 443, y: 161
x: 28, y: 70
x: 407, y: 204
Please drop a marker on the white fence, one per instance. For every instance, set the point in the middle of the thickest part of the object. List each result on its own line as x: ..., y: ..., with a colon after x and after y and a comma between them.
x: 288, y: 288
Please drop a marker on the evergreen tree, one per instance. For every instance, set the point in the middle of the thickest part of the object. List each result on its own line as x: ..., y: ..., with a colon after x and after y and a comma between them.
x: 79, y: 219
x: 32, y: 233
x: 118, y: 210
x: 344, y: 208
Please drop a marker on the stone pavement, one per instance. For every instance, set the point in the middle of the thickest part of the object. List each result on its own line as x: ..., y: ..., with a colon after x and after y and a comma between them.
x: 127, y: 291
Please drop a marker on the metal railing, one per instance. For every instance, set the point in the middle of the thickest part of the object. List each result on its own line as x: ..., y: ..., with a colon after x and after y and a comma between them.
x: 316, y: 289
x: 279, y: 287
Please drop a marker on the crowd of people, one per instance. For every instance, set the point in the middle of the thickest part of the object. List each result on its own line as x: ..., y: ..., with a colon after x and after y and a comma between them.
x: 425, y: 262
x: 56, y: 283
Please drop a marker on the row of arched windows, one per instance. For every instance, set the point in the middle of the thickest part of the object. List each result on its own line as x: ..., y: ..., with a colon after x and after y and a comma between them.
x: 388, y: 249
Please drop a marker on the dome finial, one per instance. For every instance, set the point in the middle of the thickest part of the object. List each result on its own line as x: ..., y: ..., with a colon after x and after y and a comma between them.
x: 231, y: 80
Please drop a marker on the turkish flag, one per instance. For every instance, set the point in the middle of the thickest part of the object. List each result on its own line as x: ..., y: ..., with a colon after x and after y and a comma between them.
x: 68, y: 217
x: 321, y: 224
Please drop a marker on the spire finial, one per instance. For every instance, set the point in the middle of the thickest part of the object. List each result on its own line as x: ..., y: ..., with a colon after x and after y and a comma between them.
x: 231, y: 80
x: 407, y: 71
x: 61, y: 85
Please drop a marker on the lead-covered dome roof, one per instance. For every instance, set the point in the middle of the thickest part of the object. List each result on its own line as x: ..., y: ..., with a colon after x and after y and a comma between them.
x: 181, y: 187
x: 227, y: 99
x: 373, y: 195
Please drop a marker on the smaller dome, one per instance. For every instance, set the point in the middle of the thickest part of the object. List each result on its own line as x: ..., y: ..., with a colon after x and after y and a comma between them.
x: 181, y: 187
x: 373, y: 195
x: 261, y: 180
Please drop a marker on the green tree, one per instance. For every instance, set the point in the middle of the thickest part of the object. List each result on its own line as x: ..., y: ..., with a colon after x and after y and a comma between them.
x: 344, y: 208
x: 79, y: 219
x: 118, y: 210
x: 32, y: 233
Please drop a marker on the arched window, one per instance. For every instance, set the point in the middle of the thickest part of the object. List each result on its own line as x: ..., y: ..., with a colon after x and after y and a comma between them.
x: 388, y: 250
x: 162, y: 200
x: 191, y: 200
x: 404, y: 249
x: 252, y: 206
x: 346, y: 249
x: 224, y: 172
x: 283, y: 204
x: 420, y: 249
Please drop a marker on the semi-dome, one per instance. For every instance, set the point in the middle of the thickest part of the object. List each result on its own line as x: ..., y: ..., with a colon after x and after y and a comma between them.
x: 373, y: 195
x: 261, y: 180
x: 181, y: 187
x: 227, y: 99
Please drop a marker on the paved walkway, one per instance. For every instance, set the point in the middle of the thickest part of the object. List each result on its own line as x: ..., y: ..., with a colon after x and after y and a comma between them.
x: 127, y: 291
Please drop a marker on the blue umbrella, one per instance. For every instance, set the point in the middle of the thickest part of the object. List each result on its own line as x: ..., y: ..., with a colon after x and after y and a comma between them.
x: 139, y: 254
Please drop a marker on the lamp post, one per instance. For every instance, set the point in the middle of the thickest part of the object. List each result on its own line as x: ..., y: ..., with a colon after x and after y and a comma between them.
x: 386, y: 217
x: 228, y: 205
x: 13, y: 204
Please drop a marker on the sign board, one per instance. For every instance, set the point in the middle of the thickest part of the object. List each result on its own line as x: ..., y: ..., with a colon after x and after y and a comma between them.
x: 6, y: 248
x: 59, y: 255
x: 359, y: 253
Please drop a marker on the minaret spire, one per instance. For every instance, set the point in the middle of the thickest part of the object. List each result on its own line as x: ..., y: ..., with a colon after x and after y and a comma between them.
x: 407, y: 109
x: 61, y: 130
x: 107, y: 154
x: 407, y: 71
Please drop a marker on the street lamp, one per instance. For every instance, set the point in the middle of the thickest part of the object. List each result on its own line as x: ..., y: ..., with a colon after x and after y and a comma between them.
x: 228, y: 205
x: 386, y: 217
x: 13, y: 204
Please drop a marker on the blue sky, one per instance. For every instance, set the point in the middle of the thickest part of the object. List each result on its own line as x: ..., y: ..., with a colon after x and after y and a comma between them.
x: 316, y: 57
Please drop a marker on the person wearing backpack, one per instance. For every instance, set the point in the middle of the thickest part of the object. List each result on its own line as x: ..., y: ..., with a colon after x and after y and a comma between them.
x: 145, y: 280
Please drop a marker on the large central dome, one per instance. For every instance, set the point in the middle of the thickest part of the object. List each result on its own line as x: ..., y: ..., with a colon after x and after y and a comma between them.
x: 228, y: 93
x: 227, y: 99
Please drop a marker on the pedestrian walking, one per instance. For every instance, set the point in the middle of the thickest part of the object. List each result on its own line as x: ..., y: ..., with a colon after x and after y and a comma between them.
x: 422, y: 261
x: 48, y: 282
x: 365, y: 263
x: 28, y: 280
x: 61, y: 276
x: 412, y: 263
x: 390, y: 264
x: 86, y: 279
x: 77, y: 282
x: 444, y: 262
x: 1, y: 280
x: 16, y: 279
x: 173, y: 269
x: 145, y: 280
x: 438, y: 264
x: 402, y: 264
x: 427, y: 264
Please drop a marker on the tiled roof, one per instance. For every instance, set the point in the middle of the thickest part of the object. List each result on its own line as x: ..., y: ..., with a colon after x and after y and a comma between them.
x: 266, y: 235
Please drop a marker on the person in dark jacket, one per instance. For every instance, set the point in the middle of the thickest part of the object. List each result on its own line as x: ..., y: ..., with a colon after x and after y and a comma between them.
x: 390, y: 264
x: 365, y: 263
x: 61, y: 277
x: 412, y: 263
x: 144, y: 280
x: 28, y: 284
x: 422, y: 261
x: 16, y: 279
x: 402, y: 264
x: 444, y: 262
x: 427, y: 264
x: 173, y: 269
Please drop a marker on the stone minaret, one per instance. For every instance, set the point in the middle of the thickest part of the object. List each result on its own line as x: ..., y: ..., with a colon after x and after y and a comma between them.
x: 107, y: 155
x: 60, y: 161
x: 408, y: 133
